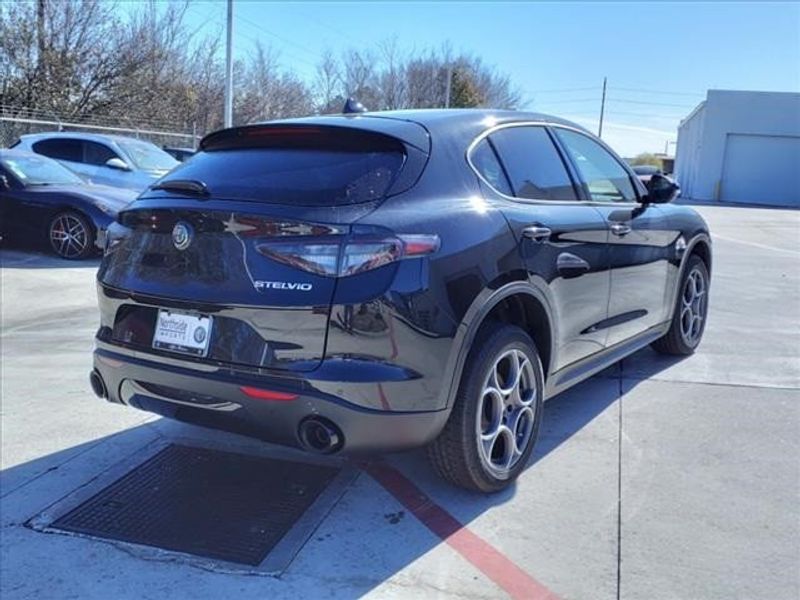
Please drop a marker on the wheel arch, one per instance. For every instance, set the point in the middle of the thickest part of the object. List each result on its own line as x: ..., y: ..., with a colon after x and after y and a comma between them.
x: 517, y: 302
x: 702, y: 248
x: 699, y: 245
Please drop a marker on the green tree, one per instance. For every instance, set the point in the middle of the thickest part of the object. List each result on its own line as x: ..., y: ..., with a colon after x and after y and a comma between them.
x: 646, y: 158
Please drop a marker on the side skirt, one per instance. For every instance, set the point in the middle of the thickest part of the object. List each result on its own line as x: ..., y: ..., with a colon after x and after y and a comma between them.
x: 573, y: 374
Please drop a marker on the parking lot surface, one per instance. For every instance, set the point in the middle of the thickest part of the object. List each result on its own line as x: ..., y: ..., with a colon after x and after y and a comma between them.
x: 659, y: 478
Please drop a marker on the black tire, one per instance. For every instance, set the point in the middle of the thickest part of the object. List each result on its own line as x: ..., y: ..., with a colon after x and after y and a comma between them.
x: 456, y: 454
x: 81, y: 235
x: 676, y: 342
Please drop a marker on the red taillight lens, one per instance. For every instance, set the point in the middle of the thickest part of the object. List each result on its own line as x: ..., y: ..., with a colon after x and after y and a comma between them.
x: 349, y: 257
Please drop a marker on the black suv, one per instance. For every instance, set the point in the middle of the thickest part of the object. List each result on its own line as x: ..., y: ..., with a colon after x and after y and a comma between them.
x: 390, y: 280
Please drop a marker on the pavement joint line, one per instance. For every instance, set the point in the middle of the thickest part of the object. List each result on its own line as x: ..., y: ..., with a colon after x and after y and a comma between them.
x: 495, y: 565
x: 717, y: 236
x: 716, y: 384
x: 620, y: 391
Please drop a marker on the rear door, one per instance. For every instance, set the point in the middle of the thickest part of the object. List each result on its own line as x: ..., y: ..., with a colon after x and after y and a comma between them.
x: 562, y: 240
x: 641, y: 241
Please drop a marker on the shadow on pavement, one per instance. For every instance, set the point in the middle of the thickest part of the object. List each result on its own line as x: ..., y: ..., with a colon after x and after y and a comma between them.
x: 36, y: 257
x: 360, y: 530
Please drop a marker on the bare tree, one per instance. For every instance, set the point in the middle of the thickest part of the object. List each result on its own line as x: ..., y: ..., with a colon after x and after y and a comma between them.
x: 359, y: 78
x: 392, y: 77
x: 144, y: 67
x: 328, y: 84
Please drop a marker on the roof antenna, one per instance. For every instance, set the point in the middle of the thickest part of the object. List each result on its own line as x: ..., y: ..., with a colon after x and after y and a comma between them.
x: 353, y: 106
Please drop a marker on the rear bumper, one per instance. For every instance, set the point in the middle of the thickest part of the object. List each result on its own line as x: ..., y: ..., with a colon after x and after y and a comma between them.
x: 211, y: 396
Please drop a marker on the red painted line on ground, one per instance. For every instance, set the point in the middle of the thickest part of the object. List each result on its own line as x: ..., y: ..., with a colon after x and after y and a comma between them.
x: 485, y: 557
x: 382, y: 396
x: 390, y: 321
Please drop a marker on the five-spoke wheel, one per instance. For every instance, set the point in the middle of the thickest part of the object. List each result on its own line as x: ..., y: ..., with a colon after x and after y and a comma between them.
x: 70, y: 235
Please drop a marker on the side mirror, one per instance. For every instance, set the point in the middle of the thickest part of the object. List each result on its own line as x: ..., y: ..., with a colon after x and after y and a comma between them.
x: 661, y: 189
x: 117, y: 163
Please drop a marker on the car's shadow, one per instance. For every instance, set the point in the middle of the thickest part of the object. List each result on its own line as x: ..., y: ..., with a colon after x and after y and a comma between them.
x: 30, y: 256
x: 564, y: 417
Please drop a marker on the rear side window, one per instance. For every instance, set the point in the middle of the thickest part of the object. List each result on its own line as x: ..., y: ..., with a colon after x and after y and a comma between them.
x: 533, y: 164
x: 305, y: 168
x: 61, y: 149
x: 485, y: 161
x: 605, y: 178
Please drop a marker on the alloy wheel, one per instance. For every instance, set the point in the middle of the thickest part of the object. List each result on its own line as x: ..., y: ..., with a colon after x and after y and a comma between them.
x: 506, y: 412
x: 68, y: 236
x: 693, y: 306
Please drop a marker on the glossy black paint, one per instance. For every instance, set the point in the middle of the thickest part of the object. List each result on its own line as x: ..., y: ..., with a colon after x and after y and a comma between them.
x: 27, y: 210
x: 380, y: 353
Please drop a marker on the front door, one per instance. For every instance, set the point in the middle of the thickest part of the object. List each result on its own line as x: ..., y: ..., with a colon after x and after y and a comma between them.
x: 563, y: 241
x: 641, y: 243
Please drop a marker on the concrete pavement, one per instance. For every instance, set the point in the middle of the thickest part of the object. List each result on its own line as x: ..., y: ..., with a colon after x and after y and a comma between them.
x: 656, y: 479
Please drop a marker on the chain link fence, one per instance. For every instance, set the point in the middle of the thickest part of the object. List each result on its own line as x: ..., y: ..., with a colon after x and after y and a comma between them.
x: 16, y: 121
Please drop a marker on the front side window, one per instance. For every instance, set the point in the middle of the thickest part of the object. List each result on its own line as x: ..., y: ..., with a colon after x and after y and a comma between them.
x: 98, y: 154
x: 61, y: 149
x: 147, y: 156
x: 533, y: 164
x: 605, y: 178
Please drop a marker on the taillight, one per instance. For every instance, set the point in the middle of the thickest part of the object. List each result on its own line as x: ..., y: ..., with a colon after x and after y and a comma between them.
x: 349, y: 257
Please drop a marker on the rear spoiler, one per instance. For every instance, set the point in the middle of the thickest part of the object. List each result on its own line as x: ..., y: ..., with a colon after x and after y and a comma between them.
x: 359, y: 129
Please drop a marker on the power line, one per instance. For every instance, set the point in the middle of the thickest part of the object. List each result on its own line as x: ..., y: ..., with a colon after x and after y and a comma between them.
x: 660, y: 92
x: 261, y: 29
x: 568, y: 90
x: 647, y: 103
x: 569, y: 101
x: 247, y: 22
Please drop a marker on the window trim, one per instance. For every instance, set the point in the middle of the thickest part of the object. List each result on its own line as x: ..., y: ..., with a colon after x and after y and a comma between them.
x: 570, y: 167
x: 496, y: 154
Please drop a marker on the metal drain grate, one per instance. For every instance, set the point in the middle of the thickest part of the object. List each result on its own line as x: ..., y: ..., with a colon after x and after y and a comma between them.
x: 210, y: 503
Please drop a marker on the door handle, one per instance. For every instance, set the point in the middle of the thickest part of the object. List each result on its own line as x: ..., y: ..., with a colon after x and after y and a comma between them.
x: 570, y: 265
x: 620, y: 229
x: 537, y: 233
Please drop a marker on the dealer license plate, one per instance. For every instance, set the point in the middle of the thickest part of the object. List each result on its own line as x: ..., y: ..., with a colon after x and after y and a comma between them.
x: 182, y: 332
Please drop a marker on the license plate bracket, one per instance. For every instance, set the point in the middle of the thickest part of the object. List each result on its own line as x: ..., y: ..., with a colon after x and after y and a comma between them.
x: 184, y: 333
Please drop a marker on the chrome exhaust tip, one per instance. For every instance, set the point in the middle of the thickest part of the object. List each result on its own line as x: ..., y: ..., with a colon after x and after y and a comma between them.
x: 320, y: 435
x: 98, y: 385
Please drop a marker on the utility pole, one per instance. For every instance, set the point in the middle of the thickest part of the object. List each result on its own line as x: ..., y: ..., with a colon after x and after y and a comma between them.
x: 228, y: 116
x: 602, y: 109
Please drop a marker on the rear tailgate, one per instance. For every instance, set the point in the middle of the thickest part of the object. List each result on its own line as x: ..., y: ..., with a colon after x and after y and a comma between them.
x: 265, y: 313
x: 261, y: 247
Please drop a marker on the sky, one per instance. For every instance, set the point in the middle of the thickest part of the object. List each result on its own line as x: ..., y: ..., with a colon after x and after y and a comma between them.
x: 659, y: 58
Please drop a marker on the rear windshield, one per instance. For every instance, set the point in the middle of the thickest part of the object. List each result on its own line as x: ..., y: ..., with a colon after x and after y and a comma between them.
x: 322, y: 172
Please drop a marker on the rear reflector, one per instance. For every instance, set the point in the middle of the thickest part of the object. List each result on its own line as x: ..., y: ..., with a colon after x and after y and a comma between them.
x: 260, y: 394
